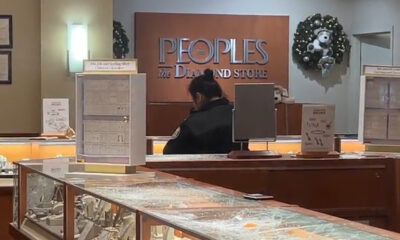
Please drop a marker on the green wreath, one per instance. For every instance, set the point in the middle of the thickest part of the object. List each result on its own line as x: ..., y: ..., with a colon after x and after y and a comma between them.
x: 120, y: 40
x: 320, y: 43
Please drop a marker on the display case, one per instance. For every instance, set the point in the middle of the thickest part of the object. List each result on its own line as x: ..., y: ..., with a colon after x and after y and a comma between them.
x: 379, y: 117
x: 111, y: 118
x: 6, y: 168
x: 158, y: 206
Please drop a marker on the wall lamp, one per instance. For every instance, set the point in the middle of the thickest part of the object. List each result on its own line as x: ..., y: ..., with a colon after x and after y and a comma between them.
x: 77, y: 47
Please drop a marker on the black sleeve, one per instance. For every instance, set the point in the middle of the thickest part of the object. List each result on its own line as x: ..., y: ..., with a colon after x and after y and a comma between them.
x: 182, y: 143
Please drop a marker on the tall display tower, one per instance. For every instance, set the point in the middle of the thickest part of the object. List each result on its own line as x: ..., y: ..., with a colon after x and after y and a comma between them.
x: 379, y: 118
x: 111, y: 116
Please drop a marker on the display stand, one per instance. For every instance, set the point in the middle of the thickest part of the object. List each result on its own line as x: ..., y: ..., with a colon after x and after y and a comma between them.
x: 379, y: 116
x: 333, y: 154
x: 253, y: 154
x: 254, y: 117
x: 317, y: 132
x: 111, y: 116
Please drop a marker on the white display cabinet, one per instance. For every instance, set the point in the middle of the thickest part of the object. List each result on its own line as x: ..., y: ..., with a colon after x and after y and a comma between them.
x: 111, y: 118
x: 379, y: 116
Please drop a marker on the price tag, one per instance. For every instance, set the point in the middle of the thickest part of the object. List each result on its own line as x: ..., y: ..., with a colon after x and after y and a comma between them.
x: 56, y: 167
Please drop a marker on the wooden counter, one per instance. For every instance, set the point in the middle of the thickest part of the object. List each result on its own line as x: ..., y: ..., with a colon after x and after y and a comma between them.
x: 172, y: 114
x: 364, y: 189
x: 6, y: 192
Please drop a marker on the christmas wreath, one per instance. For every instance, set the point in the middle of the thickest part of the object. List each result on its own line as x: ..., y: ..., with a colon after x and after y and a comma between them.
x: 320, y: 43
x: 120, y: 40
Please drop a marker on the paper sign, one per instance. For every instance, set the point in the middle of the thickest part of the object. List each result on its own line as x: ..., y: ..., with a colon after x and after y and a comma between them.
x: 56, y: 167
x: 55, y: 115
x: 317, y: 130
x: 110, y: 66
x: 382, y: 70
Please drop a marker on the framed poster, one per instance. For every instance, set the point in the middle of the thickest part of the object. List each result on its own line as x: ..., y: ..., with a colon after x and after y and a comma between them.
x: 6, y: 31
x: 5, y: 67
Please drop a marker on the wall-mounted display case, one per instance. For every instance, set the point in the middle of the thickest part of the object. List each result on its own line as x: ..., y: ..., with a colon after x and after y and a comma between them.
x: 158, y: 206
x: 111, y: 118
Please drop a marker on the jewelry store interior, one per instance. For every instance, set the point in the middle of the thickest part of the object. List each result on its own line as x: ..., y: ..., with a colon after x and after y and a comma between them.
x: 199, y: 120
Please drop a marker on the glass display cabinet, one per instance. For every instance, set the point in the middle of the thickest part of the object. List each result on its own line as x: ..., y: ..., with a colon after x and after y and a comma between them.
x: 111, y: 117
x: 64, y: 202
x: 379, y: 116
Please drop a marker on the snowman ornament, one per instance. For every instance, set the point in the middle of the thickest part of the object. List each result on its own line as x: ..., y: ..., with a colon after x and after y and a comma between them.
x: 322, y: 44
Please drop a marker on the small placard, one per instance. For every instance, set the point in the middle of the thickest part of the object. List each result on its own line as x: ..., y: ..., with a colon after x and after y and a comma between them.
x: 55, y: 115
x: 56, y: 167
x: 126, y: 65
x: 317, y: 130
x: 382, y: 70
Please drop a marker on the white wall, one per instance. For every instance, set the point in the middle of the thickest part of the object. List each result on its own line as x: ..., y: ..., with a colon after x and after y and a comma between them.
x: 369, y: 16
x: 340, y: 87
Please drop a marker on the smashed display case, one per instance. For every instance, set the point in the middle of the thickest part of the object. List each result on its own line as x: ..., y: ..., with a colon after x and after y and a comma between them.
x: 150, y: 205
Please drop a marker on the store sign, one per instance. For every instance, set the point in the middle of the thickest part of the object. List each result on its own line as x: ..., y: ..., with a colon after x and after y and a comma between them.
x: 254, y: 52
x: 172, y: 49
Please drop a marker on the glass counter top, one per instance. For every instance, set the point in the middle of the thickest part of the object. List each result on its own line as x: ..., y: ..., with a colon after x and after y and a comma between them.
x: 147, y: 189
x: 169, y: 195
x: 260, y: 224
x: 206, y: 211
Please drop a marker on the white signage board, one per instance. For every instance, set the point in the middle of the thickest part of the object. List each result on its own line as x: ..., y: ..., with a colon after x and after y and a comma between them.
x: 55, y: 115
x: 318, y: 127
x: 56, y: 167
x: 382, y: 70
x: 110, y: 66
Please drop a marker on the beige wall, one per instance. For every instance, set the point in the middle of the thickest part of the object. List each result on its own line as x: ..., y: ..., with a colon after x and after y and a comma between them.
x: 55, y: 15
x: 20, y: 102
x: 39, y: 55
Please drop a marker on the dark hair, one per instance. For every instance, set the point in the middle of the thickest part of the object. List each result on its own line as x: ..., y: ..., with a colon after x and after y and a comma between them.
x: 206, y: 85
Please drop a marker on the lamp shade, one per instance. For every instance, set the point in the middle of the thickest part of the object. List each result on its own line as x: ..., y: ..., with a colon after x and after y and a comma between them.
x: 77, y: 46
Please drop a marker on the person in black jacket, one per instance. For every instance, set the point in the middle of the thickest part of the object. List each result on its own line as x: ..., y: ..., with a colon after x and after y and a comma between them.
x: 208, y: 128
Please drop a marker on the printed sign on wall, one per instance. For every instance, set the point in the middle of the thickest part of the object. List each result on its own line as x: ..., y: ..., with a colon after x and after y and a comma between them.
x: 174, y: 48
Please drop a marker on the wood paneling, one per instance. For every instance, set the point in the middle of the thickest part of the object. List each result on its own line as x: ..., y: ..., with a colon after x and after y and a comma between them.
x: 357, y: 189
x: 150, y: 27
x: 6, y: 214
x: 164, y: 118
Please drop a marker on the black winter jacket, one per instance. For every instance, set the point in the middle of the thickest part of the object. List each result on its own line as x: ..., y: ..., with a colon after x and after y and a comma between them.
x: 208, y: 130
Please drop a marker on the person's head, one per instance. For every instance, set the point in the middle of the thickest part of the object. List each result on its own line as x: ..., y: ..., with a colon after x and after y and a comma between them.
x: 204, y: 88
